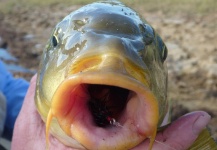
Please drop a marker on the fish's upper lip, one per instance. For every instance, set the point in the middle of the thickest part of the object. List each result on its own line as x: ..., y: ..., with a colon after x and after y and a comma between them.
x: 85, y: 133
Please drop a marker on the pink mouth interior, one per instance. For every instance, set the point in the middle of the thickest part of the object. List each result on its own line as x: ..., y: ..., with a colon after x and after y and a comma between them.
x: 100, y: 115
x: 96, y: 105
x: 99, y: 112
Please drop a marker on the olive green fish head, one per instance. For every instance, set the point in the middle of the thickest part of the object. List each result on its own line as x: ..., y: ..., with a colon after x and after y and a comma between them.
x: 102, y: 81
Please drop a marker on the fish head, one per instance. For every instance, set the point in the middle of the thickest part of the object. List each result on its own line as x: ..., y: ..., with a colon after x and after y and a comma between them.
x: 102, y: 81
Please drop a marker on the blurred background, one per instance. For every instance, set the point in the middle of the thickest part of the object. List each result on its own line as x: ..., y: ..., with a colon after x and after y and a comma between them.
x: 188, y: 27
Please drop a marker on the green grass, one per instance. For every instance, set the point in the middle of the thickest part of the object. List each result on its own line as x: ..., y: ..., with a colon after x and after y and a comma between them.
x: 167, y: 6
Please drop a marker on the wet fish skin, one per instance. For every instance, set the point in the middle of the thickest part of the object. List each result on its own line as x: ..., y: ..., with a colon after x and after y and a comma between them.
x: 104, y: 37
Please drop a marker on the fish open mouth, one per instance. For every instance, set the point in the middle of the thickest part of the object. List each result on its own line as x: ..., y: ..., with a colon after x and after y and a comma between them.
x: 106, y: 103
x: 105, y: 110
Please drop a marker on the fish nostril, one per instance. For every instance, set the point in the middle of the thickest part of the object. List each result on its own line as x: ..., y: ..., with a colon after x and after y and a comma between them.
x: 78, y: 24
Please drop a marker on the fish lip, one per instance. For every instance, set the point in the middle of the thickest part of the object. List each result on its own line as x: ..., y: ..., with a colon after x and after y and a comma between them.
x: 85, y: 132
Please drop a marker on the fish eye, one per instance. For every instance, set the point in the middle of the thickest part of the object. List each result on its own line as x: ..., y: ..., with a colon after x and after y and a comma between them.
x: 162, y: 49
x: 148, y: 33
x: 54, y: 41
x: 164, y: 53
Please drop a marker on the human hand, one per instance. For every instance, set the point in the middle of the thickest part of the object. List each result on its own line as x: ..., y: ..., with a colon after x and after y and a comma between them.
x: 181, y: 134
x: 29, y: 131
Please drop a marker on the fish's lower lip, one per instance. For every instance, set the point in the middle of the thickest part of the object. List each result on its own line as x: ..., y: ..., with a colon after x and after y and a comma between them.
x: 138, y: 121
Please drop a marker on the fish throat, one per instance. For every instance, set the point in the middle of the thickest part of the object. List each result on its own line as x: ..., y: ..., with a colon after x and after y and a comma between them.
x: 100, y: 109
x: 106, y: 103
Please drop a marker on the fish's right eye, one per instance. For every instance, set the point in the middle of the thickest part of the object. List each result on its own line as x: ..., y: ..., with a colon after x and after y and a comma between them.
x: 55, y: 40
x: 162, y: 49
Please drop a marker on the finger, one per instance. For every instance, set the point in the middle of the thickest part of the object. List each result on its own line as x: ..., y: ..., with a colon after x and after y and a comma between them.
x: 29, y: 98
x: 27, y: 117
x: 29, y: 132
x: 28, y: 106
x: 181, y: 134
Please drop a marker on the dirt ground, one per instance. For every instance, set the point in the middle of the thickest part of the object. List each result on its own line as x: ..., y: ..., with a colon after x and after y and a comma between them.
x: 190, y: 38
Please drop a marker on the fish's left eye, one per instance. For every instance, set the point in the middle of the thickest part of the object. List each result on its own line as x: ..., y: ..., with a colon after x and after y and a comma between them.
x: 55, y: 40
x: 164, y: 53
x: 162, y: 49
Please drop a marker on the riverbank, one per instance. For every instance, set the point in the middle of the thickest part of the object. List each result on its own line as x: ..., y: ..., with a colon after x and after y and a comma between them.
x: 189, y: 33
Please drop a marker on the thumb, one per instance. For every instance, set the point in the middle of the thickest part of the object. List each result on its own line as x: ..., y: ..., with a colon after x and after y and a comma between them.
x: 181, y: 134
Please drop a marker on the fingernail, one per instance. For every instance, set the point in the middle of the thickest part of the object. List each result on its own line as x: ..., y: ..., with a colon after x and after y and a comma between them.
x: 201, y: 123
